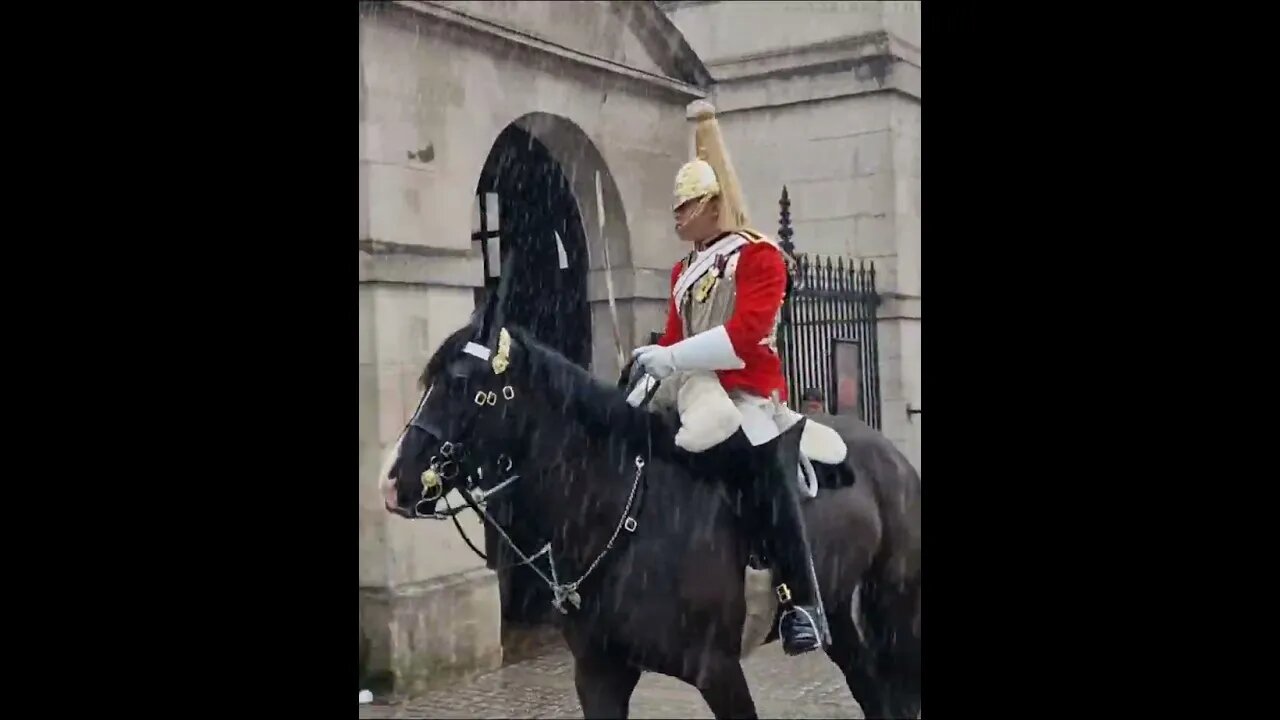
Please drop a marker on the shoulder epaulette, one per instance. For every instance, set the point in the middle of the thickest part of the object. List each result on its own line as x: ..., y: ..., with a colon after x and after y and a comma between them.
x: 755, y: 236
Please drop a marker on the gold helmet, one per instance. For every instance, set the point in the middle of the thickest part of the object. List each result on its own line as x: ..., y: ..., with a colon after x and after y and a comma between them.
x: 710, y: 174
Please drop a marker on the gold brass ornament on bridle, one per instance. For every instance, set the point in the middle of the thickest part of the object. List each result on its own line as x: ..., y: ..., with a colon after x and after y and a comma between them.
x: 502, y: 358
x: 434, y: 476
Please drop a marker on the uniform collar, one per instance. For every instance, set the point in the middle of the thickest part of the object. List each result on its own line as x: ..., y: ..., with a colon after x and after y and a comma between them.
x: 709, y: 244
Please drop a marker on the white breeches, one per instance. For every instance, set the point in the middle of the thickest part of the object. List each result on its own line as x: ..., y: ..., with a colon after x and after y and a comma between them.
x: 709, y: 416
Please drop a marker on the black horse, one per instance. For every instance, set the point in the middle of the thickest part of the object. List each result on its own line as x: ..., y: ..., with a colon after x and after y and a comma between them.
x: 646, y: 552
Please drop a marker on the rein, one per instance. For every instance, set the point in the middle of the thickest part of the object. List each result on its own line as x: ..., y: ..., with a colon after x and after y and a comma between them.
x: 564, y: 591
x: 476, y: 499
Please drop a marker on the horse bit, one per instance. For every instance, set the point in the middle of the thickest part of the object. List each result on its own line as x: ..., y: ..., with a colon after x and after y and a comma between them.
x: 440, y: 471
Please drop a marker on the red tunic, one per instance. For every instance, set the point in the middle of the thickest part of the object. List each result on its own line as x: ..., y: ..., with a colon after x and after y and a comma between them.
x: 760, y: 283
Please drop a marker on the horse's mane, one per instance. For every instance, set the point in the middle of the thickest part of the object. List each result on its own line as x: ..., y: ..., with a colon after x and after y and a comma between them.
x: 448, y: 350
x: 602, y: 409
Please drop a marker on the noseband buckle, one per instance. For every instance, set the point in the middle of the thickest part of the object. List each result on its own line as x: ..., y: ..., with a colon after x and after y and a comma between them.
x: 431, y: 483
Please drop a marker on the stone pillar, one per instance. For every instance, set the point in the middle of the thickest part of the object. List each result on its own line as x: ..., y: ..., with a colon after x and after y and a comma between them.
x: 900, y: 314
x: 429, y: 609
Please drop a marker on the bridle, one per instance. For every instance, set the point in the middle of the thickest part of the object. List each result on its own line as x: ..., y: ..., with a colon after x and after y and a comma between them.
x: 446, y: 466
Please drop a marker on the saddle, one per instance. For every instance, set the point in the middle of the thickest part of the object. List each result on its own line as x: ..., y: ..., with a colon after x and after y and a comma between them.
x: 803, y: 443
x: 816, y: 451
x: 788, y: 446
x: 822, y: 453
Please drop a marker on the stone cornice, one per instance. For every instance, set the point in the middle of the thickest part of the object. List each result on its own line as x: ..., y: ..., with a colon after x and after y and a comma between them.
x: 898, y: 306
x: 666, y: 44
x: 398, y: 264
x: 669, y: 5
x: 868, y: 63
x: 457, y: 19
x: 830, y: 56
x: 394, y: 263
x: 900, y: 78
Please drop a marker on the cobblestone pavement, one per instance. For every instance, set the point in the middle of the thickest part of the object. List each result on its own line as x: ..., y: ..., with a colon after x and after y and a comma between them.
x: 542, y: 687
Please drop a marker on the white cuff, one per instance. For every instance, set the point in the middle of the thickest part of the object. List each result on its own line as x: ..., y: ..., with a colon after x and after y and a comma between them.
x: 642, y: 389
x: 709, y: 350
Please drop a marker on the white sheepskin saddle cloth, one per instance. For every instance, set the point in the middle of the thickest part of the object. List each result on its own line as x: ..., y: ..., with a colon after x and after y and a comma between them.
x: 709, y: 416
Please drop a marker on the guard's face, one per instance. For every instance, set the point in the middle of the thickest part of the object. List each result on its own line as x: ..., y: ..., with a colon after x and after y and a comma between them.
x: 697, y: 220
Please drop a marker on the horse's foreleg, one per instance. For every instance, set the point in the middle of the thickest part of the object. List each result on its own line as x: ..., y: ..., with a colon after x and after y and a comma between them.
x: 604, y: 686
x: 724, y: 687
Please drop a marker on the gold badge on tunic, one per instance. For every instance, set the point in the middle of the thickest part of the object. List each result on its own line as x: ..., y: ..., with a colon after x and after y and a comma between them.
x: 705, y: 285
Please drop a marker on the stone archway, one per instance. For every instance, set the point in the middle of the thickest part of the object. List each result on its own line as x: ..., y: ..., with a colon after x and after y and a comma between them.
x: 608, y: 242
x: 547, y: 184
x: 525, y: 206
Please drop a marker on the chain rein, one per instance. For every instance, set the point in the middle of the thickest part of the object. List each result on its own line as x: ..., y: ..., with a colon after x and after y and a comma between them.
x: 476, y: 498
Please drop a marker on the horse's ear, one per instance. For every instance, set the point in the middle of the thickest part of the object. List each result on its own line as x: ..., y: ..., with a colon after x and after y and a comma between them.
x: 624, y: 377
x: 495, y: 320
x: 477, y: 320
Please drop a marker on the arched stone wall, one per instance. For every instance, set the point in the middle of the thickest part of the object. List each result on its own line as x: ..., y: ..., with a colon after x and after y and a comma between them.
x: 582, y: 163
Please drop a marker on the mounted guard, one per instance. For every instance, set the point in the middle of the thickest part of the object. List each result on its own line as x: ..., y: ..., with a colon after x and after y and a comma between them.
x: 717, y: 364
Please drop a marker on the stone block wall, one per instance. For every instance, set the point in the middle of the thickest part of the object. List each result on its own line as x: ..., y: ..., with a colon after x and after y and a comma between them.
x: 851, y: 166
x: 438, y: 84
x: 420, y: 636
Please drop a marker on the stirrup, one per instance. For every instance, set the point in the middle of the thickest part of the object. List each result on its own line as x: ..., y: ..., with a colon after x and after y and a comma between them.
x: 806, y: 631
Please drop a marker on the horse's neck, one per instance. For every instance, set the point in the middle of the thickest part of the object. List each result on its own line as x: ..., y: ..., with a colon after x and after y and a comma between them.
x: 562, y: 438
x: 582, y: 495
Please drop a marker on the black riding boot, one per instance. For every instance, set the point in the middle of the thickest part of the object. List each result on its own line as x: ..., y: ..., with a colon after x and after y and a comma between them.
x: 772, y: 501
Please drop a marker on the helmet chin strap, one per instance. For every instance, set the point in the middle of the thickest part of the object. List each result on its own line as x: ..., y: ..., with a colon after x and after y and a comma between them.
x: 697, y: 212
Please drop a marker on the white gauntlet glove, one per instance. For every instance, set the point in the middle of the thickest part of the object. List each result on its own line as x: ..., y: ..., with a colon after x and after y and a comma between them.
x: 656, y: 360
x: 710, y: 350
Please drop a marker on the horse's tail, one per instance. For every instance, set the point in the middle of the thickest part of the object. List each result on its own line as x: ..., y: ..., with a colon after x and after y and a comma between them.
x: 890, y: 623
x: 889, y: 594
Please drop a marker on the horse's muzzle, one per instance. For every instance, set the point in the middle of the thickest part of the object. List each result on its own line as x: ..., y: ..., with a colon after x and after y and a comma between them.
x: 397, y: 510
x: 391, y: 500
